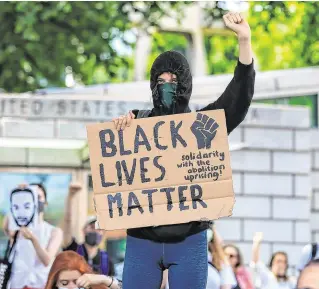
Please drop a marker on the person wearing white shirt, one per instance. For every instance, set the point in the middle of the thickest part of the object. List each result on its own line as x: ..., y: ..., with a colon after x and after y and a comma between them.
x: 274, y: 277
x: 35, y: 250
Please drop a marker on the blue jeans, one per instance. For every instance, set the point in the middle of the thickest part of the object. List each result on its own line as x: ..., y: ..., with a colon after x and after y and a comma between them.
x: 145, y: 261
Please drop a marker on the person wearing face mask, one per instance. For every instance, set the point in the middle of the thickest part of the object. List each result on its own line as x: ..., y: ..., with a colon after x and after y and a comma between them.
x: 98, y: 259
x: 182, y: 248
x: 35, y: 249
x: 71, y: 271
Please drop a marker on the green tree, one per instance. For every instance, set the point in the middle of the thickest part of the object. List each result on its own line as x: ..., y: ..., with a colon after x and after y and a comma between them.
x: 163, y: 41
x: 40, y: 41
x: 285, y: 34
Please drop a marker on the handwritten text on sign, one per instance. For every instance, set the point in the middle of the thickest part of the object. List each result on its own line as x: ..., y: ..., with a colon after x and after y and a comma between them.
x: 163, y: 164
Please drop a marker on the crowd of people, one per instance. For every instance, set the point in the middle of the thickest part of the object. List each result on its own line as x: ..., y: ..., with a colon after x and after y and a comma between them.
x: 181, y: 256
x: 50, y: 257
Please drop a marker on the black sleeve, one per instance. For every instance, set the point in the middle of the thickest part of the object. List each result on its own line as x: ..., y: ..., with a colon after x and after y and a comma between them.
x: 237, y: 97
x: 72, y: 247
x: 135, y: 111
x: 111, y: 268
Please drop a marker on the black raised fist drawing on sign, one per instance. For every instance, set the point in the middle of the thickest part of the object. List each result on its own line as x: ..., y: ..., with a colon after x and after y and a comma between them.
x: 204, y: 128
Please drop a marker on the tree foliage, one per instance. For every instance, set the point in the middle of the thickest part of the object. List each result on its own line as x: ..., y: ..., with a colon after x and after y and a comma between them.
x: 285, y: 34
x: 41, y: 41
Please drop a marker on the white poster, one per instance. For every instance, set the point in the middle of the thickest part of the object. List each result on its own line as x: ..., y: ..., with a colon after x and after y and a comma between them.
x: 23, y: 208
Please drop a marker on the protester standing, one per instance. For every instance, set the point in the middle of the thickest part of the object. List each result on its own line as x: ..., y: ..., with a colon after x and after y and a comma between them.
x: 35, y: 249
x: 98, y: 259
x: 275, y: 276
x: 183, y: 247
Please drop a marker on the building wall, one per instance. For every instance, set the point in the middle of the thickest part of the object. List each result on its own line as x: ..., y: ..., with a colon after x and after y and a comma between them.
x: 272, y: 182
x: 315, y: 186
x: 272, y: 174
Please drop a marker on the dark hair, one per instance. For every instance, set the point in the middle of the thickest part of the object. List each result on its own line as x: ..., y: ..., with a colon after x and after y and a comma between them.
x: 273, y: 256
x: 41, y: 186
x: 239, y: 255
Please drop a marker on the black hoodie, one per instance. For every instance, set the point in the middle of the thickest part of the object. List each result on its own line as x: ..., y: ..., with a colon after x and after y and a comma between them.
x: 235, y: 101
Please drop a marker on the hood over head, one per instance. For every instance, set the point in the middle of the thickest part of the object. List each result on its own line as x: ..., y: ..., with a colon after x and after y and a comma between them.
x: 173, y: 62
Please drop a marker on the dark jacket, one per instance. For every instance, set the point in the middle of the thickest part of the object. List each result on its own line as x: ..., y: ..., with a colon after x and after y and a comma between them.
x: 235, y: 101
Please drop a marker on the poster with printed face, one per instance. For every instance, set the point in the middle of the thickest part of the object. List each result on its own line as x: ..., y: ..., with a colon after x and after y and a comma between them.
x: 23, y: 208
x: 161, y: 170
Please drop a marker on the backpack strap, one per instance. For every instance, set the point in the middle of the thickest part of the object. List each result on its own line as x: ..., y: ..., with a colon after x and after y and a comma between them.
x: 210, y: 263
x: 11, y: 247
x: 104, y: 265
x: 314, y: 248
x: 143, y: 113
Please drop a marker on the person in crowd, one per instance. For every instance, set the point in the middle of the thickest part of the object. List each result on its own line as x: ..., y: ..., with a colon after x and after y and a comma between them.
x: 220, y: 273
x: 71, y: 271
x: 309, y: 253
x: 183, y: 247
x: 98, y: 259
x: 35, y: 250
x: 309, y: 276
x: 275, y: 276
x: 243, y: 276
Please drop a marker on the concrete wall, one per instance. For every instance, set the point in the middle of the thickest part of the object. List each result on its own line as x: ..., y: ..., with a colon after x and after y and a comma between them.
x: 272, y: 182
x: 315, y: 186
x: 272, y: 175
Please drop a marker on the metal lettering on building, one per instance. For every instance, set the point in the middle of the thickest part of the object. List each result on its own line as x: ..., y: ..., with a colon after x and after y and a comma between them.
x: 66, y: 108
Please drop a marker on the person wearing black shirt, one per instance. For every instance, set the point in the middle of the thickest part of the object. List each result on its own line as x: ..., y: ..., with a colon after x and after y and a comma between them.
x: 182, y: 248
x: 96, y: 258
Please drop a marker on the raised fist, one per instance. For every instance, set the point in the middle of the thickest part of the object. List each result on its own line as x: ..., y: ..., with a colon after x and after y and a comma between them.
x: 74, y: 188
x: 204, y: 128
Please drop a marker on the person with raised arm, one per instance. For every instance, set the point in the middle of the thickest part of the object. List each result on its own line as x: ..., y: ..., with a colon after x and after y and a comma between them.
x: 182, y: 248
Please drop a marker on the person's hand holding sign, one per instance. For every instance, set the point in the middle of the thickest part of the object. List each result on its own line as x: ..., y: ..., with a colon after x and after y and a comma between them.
x: 26, y: 233
x: 123, y: 121
x: 235, y: 22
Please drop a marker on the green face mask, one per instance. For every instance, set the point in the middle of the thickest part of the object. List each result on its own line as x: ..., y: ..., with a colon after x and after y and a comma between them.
x: 167, y: 93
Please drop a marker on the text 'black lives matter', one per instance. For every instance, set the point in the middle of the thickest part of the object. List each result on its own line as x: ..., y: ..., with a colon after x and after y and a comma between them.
x: 115, y: 147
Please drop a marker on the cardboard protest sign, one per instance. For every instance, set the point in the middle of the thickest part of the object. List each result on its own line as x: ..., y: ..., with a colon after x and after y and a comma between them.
x: 23, y: 208
x: 161, y: 170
